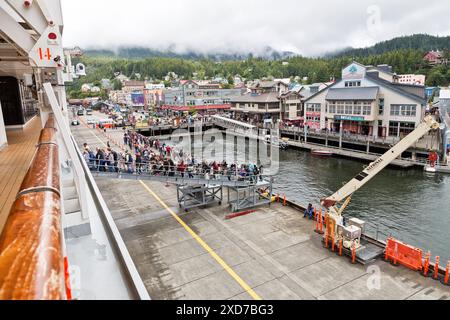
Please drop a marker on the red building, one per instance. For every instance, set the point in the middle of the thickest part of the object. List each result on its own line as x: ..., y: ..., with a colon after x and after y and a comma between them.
x: 434, y: 57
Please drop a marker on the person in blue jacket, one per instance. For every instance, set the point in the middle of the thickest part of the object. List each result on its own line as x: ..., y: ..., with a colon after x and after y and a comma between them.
x: 309, y: 212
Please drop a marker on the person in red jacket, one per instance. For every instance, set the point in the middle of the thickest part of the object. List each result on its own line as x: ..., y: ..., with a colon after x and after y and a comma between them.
x: 182, y: 168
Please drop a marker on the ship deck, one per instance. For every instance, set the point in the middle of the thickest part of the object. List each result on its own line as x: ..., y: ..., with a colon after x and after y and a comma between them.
x: 15, y: 160
x: 271, y: 253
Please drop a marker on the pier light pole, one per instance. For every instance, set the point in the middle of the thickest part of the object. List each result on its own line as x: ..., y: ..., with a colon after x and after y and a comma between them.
x: 305, y: 128
x: 341, y: 129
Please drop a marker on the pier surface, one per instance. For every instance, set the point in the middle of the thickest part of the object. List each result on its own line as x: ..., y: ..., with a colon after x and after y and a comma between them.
x: 271, y: 253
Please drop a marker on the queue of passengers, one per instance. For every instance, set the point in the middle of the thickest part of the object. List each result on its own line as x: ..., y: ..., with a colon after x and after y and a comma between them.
x: 151, y: 156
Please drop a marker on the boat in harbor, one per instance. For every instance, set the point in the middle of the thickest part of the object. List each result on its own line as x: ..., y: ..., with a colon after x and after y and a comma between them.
x: 276, y: 142
x: 321, y: 153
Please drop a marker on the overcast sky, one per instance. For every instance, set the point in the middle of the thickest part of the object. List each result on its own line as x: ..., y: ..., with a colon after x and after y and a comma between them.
x: 306, y: 27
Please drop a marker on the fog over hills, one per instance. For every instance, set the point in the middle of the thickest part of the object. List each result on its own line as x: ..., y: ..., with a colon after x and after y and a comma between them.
x: 419, y: 42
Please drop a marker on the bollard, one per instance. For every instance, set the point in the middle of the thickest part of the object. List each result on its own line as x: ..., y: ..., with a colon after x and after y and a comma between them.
x: 284, y: 201
x: 341, y: 244
x: 436, y: 268
x: 447, y: 270
x: 426, y: 264
x: 320, y: 223
x: 353, y: 254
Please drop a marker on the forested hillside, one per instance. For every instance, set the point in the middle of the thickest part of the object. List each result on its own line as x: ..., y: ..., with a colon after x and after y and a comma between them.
x: 403, y: 60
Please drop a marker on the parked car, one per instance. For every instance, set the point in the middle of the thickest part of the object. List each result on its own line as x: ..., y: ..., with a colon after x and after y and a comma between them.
x: 91, y: 121
x: 80, y: 112
x: 75, y: 122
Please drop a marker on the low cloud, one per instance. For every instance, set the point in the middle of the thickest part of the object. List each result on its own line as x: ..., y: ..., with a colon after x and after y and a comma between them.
x: 308, y: 28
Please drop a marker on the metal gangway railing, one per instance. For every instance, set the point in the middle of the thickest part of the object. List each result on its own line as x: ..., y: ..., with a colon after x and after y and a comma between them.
x: 171, y: 174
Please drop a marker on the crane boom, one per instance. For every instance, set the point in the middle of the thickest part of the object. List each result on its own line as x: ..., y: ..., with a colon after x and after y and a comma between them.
x: 375, y: 167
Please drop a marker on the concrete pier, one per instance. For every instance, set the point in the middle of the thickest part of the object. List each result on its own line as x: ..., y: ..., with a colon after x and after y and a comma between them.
x: 271, y: 253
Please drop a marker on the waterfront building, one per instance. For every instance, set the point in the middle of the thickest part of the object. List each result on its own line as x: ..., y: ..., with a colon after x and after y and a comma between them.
x: 444, y: 111
x: 366, y: 101
x: 291, y: 107
x: 199, y: 93
x: 262, y: 104
x: 133, y: 86
x: 119, y: 97
x: 134, y: 93
x: 153, y: 94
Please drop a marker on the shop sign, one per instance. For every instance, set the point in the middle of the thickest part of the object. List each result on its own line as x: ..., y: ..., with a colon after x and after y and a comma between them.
x: 349, y: 118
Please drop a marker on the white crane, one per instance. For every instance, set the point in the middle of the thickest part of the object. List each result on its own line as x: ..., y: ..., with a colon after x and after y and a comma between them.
x: 335, y: 221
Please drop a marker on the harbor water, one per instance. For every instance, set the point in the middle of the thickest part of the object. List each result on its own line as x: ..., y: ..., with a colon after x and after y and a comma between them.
x: 408, y: 204
x: 411, y: 205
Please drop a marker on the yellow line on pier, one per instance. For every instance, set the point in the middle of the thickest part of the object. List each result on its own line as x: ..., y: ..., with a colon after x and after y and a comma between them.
x: 224, y: 265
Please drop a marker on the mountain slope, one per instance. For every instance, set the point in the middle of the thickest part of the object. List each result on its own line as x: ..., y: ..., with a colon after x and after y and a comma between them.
x: 422, y: 42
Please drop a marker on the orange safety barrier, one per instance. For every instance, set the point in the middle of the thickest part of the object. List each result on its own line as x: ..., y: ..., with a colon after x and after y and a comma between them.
x: 426, y: 264
x: 447, y: 270
x: 436, y: 268
x: 404, y: 254
x: 332, y: 243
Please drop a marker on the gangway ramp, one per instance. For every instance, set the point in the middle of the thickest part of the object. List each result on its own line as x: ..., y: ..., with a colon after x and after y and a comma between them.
x: 222, y: 181
x: 198, y: 191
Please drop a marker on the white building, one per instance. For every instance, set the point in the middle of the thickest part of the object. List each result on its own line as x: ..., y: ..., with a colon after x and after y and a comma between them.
x: 86, y: 87
x: 366, y: 101
x: 119, y: 96
x: 415, y: 79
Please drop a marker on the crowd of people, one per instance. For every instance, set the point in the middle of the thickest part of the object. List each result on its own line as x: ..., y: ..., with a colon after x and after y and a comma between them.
x: 147, y: 155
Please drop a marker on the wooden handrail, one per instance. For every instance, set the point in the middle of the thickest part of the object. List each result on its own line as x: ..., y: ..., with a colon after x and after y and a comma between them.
x: 31, y: 255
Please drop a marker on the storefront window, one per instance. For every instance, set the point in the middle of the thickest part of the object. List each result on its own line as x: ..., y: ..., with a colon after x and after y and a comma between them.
x: 357, y: 110
x: 403, y: 110
x: 349, y: 108
x: 400, y: 128
x: 332, y: 108
x: 340, y: 108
